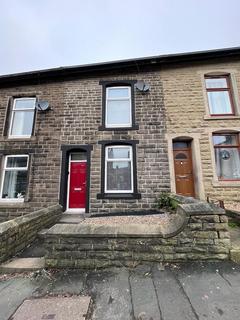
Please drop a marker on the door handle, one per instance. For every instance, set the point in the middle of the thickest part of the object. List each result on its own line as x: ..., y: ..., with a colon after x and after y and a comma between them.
x: 77, y: 189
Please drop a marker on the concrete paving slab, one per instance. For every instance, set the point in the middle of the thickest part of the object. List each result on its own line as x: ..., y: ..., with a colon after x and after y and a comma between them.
x: 210, y: 295
x: 69, y: 282
x: 22, y: 264
x: 174, y: 304
x: 111, y: 292
x: 144, y: 299
x: 74, y: 308
x: 13, y: 295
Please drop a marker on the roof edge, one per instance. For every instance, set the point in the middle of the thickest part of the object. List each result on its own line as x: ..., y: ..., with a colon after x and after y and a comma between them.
x: 40, y: 76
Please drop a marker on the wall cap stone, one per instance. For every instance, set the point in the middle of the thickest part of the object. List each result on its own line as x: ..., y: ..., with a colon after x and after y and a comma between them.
x: 19, y: 221
x: 176, y: 224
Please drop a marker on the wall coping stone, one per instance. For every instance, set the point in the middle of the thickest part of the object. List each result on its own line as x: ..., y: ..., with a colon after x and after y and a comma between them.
x: 19, y: 221
x: 175, y: 225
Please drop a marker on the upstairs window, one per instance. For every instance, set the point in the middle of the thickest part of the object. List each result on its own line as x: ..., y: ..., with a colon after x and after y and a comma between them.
x: 22, y: 118
x: 227, y: 156
x: 118, y: 107
x: 219, y: 92
x: 14, y: 178
x: 119, y: 169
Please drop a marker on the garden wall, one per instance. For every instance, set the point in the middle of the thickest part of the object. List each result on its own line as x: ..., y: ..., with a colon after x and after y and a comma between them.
x: 197, y: 231
x: 16, y: 234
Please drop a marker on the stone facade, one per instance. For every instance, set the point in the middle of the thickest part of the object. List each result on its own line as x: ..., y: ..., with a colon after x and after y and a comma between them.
x: 198, y: 231
x: 74, y: 118
x: 176, y: 106
x: 187, y: 115
x: 18, y: 233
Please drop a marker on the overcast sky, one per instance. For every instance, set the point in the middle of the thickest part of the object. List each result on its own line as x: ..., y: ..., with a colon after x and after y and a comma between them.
x: 40, y: 34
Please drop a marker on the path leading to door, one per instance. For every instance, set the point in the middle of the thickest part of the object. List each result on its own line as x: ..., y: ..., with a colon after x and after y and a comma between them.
x: 183, y: 292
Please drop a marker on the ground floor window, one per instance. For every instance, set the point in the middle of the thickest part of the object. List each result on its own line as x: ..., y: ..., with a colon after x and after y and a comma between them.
x: 118, y: 169
x: 14, y: 177
x: 227, y: 156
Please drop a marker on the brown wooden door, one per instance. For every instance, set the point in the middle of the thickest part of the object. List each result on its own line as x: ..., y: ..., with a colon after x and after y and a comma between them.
x: 184, y: 172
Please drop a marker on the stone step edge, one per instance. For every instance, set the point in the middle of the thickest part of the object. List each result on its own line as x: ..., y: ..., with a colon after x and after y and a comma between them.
x: 19, y: 265
x: 235, y: 254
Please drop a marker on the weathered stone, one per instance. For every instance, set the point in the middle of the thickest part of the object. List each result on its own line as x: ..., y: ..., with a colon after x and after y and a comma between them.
x: 224, y: 234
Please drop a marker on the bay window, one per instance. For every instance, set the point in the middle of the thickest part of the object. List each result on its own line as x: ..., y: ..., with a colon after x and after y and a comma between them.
x: 14, y: 177
x: 227, y: 156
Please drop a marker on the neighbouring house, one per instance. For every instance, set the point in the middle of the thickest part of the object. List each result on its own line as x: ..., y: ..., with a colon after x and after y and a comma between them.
x: 201, y: 100
x: 119, y: 133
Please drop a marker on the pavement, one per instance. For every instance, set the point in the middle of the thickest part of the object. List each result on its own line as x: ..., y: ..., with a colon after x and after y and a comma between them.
x: 148, y: 292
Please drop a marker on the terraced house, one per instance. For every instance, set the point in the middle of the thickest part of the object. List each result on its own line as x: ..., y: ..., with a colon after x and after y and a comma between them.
x: 117, y: 134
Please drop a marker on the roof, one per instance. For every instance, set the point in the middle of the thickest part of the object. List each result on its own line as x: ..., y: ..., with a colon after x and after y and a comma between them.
x: 137, y: 65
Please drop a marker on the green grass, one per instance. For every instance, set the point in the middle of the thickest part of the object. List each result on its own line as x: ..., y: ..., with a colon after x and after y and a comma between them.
x: 233, y: 224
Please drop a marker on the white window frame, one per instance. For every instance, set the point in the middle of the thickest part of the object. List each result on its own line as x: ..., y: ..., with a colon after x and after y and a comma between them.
x: 5, y: 168
x: 12, y: 116
x: 119, y: 160
x: 129, y: 98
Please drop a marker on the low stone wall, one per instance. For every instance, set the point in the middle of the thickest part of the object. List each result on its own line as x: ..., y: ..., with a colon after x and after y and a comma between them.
x: 16, y: 234
x: 197, y: 231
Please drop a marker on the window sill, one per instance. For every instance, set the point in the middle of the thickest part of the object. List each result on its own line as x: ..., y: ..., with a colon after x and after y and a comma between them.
x: 13, y: 204
x: 133, y: 127
x: 126, y: 196
x: 13, y: 139
x: 230, y: 117
x: 226, y: 183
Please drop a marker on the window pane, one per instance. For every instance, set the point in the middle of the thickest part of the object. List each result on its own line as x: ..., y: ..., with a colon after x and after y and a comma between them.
x: 79, y: 156
x: 119, y: 175
x: 118, y: 92
x: 180, y: 145
x: 15, y: 184
x: 25, y: 104
x: 216, y: 83
x: 22, y: 123
x: 17, y: 162
x: 118, y: 112
x: 119, y: 153
x: 228, y: 163
x: 219, y: 102
x: 227, y: 140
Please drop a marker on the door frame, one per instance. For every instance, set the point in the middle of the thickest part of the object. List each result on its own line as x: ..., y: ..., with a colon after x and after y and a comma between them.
x: 63, y: 193
x: 80, y: 210
x: 196, y: 161
x: 189, y: 150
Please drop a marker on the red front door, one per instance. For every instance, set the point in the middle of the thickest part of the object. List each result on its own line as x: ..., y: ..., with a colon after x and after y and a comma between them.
x: 77, y: 185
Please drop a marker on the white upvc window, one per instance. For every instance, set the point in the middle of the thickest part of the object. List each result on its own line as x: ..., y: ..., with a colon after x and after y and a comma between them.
x: 118, y: 169
x: 22, y: 118
x: 118, y: 107
x: 14, y: 178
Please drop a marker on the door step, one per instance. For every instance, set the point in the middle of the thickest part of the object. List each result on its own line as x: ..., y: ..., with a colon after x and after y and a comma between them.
x: 72, y: 218
x: 22, y: 265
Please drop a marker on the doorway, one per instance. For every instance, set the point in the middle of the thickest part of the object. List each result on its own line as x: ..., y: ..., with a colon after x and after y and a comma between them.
x: 182, y: 154
x: 77, y: 180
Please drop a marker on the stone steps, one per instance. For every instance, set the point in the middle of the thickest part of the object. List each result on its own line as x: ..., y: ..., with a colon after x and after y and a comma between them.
x: 18, y: 265
x: 71, y: 218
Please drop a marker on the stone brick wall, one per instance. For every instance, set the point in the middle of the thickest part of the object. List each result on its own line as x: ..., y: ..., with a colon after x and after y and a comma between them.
x: 187, y: 116
x: 16, y: 234
x: 198, y: 231
x: 74, y: 119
